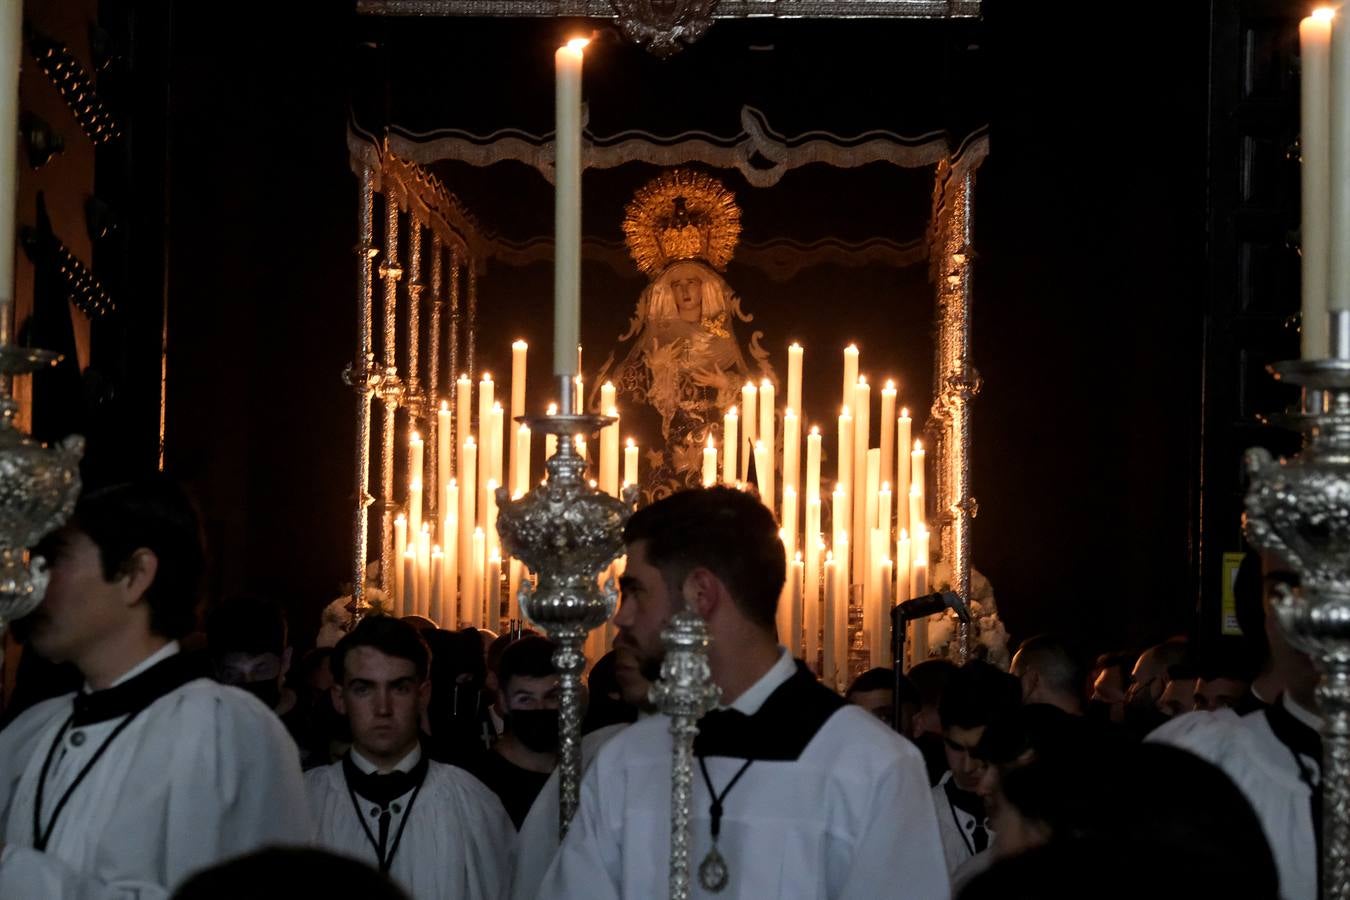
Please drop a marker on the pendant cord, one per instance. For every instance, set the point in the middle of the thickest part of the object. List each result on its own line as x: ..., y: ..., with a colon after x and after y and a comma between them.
x: 715, y: 809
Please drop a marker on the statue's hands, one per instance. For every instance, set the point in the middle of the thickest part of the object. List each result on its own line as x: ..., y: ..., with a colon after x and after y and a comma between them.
x: 711, y: 377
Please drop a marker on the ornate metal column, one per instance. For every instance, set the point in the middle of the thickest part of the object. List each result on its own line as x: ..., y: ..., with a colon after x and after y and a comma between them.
x: 566, y: 532
x: 391, y: 389
x: 685, y: 692
x: 456, y: 263
x: 433, y: 390
x: 1299, y: 509
x: 363, y: 377
x: 472, y: 335
x: 957, y: 382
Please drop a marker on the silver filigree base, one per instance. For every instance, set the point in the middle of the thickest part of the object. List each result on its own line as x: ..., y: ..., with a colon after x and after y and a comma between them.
x: 566, y: 532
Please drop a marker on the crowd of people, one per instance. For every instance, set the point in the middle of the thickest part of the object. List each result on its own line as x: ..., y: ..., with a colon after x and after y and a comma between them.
x: 408, y: 760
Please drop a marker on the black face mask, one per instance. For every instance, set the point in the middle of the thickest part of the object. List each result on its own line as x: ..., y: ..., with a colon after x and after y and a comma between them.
x: 536, y: 728
x: 269, y: 692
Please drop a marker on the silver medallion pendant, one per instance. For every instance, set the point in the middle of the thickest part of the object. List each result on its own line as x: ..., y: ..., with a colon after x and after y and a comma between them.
x: 712, y: 872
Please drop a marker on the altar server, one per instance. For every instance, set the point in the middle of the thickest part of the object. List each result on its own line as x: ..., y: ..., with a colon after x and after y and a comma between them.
x: 432, y: 827
x: 152, y: 771
x: 1274, y: 756
x: 796, y: 794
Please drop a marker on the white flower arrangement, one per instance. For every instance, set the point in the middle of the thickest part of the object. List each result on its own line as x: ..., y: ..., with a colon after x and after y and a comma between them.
x: 989, y: 639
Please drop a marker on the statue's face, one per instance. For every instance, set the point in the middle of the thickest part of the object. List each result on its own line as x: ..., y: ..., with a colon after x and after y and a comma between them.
x: 686, y: 286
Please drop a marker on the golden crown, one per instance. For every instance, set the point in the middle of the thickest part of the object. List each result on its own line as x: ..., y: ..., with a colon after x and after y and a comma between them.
x: 681, y: 214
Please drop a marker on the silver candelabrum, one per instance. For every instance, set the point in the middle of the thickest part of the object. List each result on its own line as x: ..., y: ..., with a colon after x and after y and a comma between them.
x: 38, y: 489
x: 684, y: 693
x: 566, y: 532
x: 1299, y: 510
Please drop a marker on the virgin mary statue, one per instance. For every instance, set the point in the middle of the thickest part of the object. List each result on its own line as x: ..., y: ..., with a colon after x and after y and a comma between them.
x: 684, y: 363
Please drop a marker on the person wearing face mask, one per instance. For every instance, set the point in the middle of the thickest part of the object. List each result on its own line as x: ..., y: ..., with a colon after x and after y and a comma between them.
x: 520, y: 762
x: 246, y: 637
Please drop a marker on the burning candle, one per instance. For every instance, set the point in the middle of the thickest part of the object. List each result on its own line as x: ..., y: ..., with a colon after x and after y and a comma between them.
x: 409, y: 603
x: 828, y: 665
x: 450, y: 578
x: 609, y: 453
x: 850, y: 373
x: 792, y: 450
x: 883, y: 625
x: 749, y: 395
x: 903, y: 556
x: 916, y: 467
x: 902, y: 470
x: 796, y: 573
x: 567, y: 207
x: 842, y: 515
x: 551, y: 440
x: 436, y: 612
x: 520, y: 483
x: 1315, y: 146
x: 916, y: 511
x: 463, y: 412
x: 415, y: 469
x: 468, y: 518
x: 730, y: 446
x: 788, y: 519
x: 400, y: 548
x: 519, y: 353
x: 630, y: 463
x: 709, y: 463
x: 815, y: 549
x: 485, y: 401
x: 423, y: 571
x: 862, y: 490
x: 496, y: 432
x: 445, y: 440
x: 767, y: 435
x: 492, y: 589
x: 794, y: 381
x: 493, y: 540
x: 763, y: 466
x: 872, y: 487
x: 884, y: 511
x: 839, y: 521
x: 888, y: 430
x: 477, y: 562
x: 813, y: 464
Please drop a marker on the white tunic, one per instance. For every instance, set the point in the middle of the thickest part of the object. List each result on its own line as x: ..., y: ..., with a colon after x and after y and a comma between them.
x: 457, y: 844
x: 203, y: 773
x: 1265, y: 770
x: 850, y: 819
x: 957, y: 828
x: 537, y: 840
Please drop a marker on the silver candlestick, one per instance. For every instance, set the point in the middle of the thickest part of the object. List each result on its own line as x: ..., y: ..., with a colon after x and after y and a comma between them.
x: 685, y: 692
x: 38, y: 489
x: 1299, y: 509
x: 566, y: 532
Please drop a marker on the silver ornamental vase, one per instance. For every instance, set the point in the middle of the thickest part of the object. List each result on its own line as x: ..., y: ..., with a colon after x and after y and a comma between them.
x: 566, y: 532
x: 1299, y: 509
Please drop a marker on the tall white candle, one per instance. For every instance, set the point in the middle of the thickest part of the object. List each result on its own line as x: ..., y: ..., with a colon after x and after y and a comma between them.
x: 409, y: 605
x: 884, y: 500
x: 916, y: 507
x: 840, y: 524
x: 436, y: 612
x: 749, y: 395
x: 520, y: 483
x: 792, y: 450
x: 730, y: 446
x: 840, y: 613
x: 794, y: 381
x: 609, y: 396
x: 463, y: 414
x: 916, y: 474
x: 862, y: 436
x: 710, y: 463
x: 918, y: 586
x: 492, y: 591
x: 400, y: 548
x: 609, y: 454
x: 519, y: 356
x: 497, y: 429
x: 850, y: 373
x: 888, y: 431
x: 567, y: 207
x: 551, y: 440
x: 423, y: 571
x: 11, y: 34
x: 811, y: 602
x: 468, y: 581
x: 828, y: 664
x: 872, y: 488
x: 884, y: 619
x: 796, y: 574
x: 872, y: 597
x: 479, y: 556
x: 1336, y: 145
x: 902, y: 469
x: 813, y: 441
x: 445, y: 440
x: 630, y: 462
x: 416, y: 459
x: 493, y: 540
x: 450, y: 577
x: 788, y: 519
x: 468, y: 518
x: 486, y: 390
x: 903, y: 556
x: 763, y: 468
x: 841, y: 515
x: 515, y: 573
x: 579, y: 394
x: 767, y: 435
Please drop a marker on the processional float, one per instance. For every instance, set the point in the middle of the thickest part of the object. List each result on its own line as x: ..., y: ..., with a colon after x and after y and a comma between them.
x: 563, y: 529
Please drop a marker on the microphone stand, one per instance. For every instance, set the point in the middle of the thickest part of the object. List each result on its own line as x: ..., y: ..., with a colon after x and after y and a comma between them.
x: 904, y: 613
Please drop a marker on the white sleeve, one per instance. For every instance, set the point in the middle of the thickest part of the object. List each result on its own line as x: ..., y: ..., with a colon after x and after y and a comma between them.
x: 237, y: 785
x: 589, y: 863
x: 900, y: 854
x: 489, y: 841
x: 26, y: 872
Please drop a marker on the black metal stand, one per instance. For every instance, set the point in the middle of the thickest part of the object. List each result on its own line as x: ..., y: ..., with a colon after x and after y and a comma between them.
x: 904, y: 613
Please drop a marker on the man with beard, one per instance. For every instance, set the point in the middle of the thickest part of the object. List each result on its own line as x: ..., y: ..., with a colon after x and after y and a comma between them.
x: 431, y: 827
x: 151, y: 771
x: 1148, y: 683
x: 519, y: 763
x: 797, y: 794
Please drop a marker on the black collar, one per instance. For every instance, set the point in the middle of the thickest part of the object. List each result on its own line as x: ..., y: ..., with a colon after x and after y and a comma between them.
x: 135, y: 694
x: 779, y: 731
x: 384, y: 788
x: 1301, y: 739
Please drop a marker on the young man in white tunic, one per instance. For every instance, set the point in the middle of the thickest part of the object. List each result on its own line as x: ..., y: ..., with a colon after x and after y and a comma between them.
x: 433, y: 828
x: 1273, y: 755
x: 152, y: 771
x: 797, y: 795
